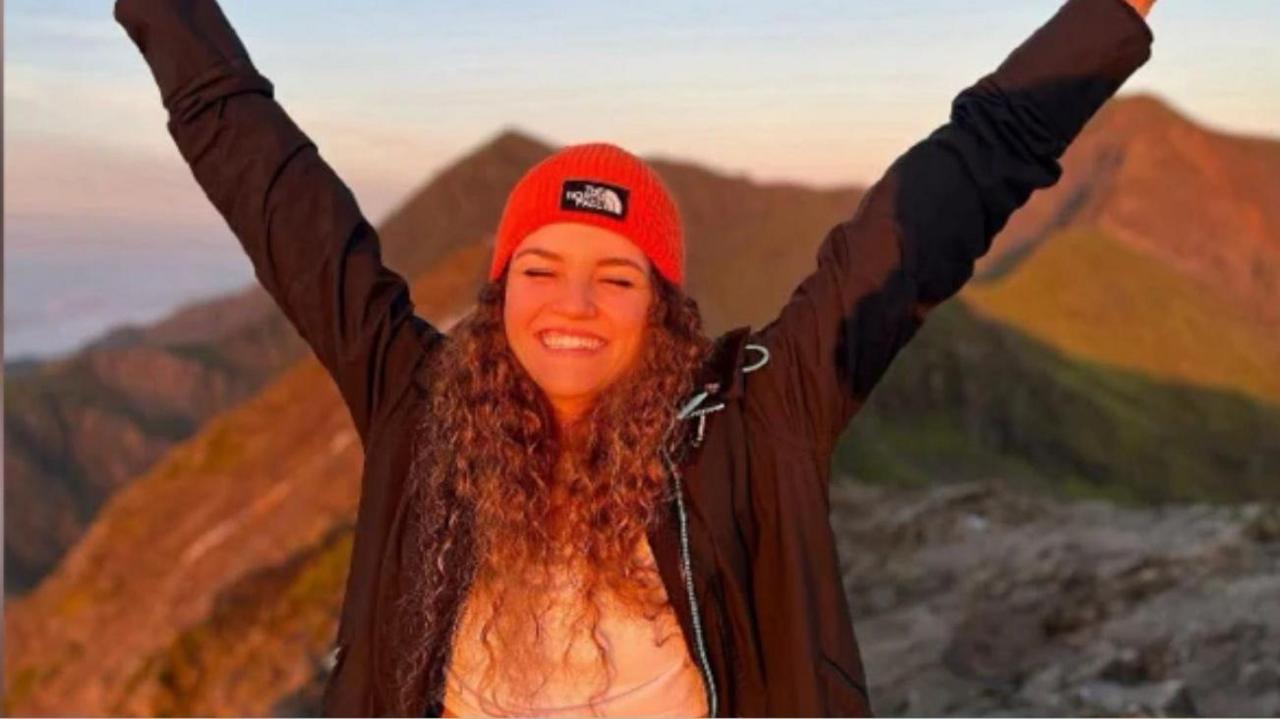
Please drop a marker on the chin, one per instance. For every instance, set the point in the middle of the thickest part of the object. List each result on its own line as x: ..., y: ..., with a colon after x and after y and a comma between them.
x: 567, y: 388
x: 572, y: 381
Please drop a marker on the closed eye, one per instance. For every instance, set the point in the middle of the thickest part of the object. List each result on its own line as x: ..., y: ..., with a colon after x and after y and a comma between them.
x: 537, y: 272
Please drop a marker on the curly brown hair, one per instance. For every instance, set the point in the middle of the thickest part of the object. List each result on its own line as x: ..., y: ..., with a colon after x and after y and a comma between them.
x: 506, y: 498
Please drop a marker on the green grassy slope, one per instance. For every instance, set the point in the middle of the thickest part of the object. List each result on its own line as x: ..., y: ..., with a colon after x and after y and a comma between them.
x: 972, y: 398
x: 1088, y: 295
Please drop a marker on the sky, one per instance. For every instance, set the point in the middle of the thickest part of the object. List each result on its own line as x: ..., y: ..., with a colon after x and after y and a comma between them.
x: 104, y: 224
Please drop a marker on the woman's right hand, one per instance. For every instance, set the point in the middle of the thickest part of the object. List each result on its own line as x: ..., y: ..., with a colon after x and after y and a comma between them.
x: 1142, y: 6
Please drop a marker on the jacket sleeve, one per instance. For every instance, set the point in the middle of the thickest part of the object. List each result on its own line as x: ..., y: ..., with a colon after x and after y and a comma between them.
x: 914, y: 237
x: 310, y: 246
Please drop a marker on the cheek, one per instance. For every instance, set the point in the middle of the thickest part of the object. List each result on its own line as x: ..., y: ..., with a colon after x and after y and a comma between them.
x: 517, y: 311
x: 630, y: 321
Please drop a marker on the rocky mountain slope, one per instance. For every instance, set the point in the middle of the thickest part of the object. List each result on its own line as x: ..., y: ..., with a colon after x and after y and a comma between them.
x: 82, y: 426
x: 983, y: 600
x: 261, y: 488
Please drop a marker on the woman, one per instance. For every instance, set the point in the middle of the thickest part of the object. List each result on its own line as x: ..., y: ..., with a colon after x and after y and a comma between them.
x: 576, y: 503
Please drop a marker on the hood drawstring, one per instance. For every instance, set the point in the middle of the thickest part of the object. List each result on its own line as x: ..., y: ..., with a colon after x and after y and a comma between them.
x: 764, y: 358
x: 691, y: 409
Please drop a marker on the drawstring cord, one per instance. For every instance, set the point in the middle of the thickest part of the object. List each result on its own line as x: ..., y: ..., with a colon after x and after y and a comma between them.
x: 692, y: 409
x: 764, y: 358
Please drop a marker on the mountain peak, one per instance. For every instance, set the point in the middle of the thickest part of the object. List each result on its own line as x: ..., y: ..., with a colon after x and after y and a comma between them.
x: 1140, y: 113
x: 1147, y: 103
x: 512, y: 140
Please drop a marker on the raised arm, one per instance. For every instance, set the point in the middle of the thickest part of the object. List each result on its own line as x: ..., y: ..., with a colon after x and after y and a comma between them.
x: 310, y: 246
x: 916, y: 233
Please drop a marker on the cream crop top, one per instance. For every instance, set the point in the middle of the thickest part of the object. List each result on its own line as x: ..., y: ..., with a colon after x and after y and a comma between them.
x: 650, y: 680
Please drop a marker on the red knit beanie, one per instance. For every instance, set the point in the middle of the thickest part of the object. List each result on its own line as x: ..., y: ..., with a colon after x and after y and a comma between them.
x: 599, y: 184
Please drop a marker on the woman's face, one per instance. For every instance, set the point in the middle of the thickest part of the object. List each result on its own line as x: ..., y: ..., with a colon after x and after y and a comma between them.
x: 576, y: 306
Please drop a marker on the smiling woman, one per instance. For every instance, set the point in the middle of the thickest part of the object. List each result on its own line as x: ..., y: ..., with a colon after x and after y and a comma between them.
x: 576, y: 464
x: 562, y: 375
x: 587, y: 337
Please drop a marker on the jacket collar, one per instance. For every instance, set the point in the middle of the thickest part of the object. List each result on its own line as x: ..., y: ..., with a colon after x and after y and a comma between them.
x: 720, y: 379
x: 721, y: 375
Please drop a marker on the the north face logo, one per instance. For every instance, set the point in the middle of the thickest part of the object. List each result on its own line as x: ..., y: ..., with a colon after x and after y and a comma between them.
x: 598, y: 197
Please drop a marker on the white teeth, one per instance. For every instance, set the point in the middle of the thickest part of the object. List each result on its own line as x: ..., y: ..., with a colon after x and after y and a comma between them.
x: 559, y: 341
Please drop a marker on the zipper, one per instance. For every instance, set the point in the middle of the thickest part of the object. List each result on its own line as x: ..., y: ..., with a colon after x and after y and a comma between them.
x: 687, y: 570
x: 691, y: 409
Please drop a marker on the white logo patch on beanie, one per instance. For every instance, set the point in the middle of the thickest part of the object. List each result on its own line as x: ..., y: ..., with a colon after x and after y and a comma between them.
x: 598, y: 197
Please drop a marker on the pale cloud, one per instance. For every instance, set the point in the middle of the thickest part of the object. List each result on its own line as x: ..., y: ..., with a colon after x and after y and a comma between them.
x: 100, y: 146
x: 67, y: 175
x: 106, y: 110
x: 62, y: 27
x: 69, y: 178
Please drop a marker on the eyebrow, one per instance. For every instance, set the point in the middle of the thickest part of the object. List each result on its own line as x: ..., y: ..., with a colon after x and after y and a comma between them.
x: 606, y: 262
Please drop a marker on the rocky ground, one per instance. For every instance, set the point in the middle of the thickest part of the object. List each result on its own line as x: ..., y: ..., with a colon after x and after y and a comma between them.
x: 978, y: 599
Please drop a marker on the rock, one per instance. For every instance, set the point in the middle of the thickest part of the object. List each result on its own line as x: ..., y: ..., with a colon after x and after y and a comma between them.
x: 1059, y: 608
x: 1257, y: 677
x: 1167, y: 698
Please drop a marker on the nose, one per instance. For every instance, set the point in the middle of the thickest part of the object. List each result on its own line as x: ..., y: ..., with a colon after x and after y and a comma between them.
x: 577, y: 299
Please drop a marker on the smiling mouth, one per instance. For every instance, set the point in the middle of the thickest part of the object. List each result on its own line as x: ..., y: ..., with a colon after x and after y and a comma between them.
x: 569, y: 342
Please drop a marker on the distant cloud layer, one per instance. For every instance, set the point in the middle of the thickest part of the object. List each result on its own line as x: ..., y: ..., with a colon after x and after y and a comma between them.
x: 69, y: 28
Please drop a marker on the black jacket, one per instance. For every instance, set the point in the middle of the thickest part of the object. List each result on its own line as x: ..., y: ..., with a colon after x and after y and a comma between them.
x: 763, y: 608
